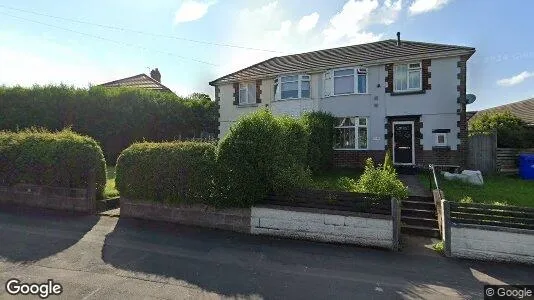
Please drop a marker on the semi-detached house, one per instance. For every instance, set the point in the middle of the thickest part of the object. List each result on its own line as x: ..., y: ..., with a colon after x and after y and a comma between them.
x: 404, y: 96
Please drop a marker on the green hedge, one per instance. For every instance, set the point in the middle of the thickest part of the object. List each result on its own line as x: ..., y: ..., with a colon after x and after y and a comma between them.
x: 171, y: 172
x: 261, y: 154
x: 320, y: 126
x: 115, y: 117
x: 60, y: 159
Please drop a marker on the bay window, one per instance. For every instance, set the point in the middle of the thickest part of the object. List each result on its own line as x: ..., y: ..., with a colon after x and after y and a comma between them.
x: 407, y: 77
x: 292, y: 87
x: 351, y: 133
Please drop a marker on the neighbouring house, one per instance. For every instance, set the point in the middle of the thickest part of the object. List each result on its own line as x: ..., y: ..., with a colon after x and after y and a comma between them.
x: 404, y: 96
x: 522, y: 109
x: 143, y: 81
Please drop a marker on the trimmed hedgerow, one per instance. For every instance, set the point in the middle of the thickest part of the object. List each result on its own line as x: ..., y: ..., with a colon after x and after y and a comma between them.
x: 320, y: 127
x: 59, y: 159
x: 169, y: 172
x: 260, y: 154
x: 115, y: 117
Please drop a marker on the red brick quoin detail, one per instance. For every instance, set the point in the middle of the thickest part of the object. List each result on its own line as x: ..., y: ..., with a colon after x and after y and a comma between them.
x: 389, y: 78
x: 462, y: 123
x: 426, y: 74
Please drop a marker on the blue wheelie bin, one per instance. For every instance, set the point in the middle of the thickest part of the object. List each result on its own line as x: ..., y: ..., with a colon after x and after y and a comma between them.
x: 526, y: 166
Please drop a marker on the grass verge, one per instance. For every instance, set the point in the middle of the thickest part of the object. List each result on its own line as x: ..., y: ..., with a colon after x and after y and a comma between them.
x: 110, y: 191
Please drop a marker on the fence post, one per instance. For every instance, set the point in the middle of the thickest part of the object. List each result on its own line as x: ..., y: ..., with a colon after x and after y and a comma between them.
x: 395, y: 216
x: 446, y: 209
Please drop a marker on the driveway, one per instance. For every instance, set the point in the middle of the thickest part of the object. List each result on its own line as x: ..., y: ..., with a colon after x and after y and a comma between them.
x: 101, y: 257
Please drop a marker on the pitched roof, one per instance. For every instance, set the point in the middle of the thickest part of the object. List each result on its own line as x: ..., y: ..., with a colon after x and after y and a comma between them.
x: 142, y: 81
x: 364, y: 54
x: 522, y: 109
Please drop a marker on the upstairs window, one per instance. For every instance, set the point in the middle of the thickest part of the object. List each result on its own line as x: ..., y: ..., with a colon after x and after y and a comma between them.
x: 292, y: 87
x: 247, y: 93
x: 346, y: 81
x: 407, y: 77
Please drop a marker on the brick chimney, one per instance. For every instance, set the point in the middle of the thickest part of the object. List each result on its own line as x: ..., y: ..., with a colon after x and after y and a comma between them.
x: 156, y: 75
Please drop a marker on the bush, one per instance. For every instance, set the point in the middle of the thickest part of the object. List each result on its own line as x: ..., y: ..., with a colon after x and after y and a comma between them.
x: 511, y: 130
x: 59, y: 159
x: 115, y: 117
x: 170, y: 172
x: 320, y: 127
x: 260, y: 154
x: 382, y: 181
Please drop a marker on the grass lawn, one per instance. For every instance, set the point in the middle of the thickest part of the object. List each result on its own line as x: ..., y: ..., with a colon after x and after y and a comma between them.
x: 497, y: 189
x: 110, y: 190
x: 337, y: 179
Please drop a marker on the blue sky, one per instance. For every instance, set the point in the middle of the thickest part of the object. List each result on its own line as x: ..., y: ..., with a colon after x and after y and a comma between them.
x: 37, y: 48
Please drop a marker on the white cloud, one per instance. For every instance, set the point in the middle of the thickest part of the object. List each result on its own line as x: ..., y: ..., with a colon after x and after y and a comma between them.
x: 191, y: 10
x: 423, y: 6
x: 272, y: 26
x: 350, y: 24
x: 308, y: 22
x: 517, y: 79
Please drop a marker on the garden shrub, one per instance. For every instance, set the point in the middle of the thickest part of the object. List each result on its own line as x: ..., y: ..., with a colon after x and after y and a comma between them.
x: 512, y: 132
x: 381, y: 181
x: 115, y: 117
x: 320, y: 126
x: 260, y: 154
x: 58, y: 159
x: 169, y: 172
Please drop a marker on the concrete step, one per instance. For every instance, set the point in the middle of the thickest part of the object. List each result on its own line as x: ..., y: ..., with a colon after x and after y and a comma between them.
x: 432, y: 223
x: 419, y: 213
x: 420, y: 199
x: 418, y: 205
x: 420, y: 231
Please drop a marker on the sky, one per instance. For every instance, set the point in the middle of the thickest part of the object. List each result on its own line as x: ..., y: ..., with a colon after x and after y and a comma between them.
x: 192, y: 42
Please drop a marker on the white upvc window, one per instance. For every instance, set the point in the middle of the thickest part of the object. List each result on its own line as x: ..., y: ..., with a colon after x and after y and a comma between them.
x: 407, y: 77
x: 292, y: 87
x: 441, y: 139
x: 345, y: 81
x: 247, y: 93
x: 351, y: 133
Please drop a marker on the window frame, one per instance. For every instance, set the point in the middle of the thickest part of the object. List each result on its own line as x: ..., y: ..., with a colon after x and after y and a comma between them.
x: 355, y: 76
x: 356, y: 127
x: 246, y: 85
x: 436, y: 140
x: 407, y: 74
x: 278, y: 82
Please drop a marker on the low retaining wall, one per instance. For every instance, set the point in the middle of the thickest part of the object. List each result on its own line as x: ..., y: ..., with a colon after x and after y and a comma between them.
x: 66, y: 199
x: 489, y: 232
x: 492, y: 243
x: 327, y: 225
x: 188, y: 214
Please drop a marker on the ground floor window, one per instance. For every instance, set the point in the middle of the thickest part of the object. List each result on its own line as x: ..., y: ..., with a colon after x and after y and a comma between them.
x: 351, y: 133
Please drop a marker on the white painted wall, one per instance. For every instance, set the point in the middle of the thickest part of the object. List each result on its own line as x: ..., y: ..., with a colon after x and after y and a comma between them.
x: 322, y: 227
x: 495, y: 245
x: 437, y: 106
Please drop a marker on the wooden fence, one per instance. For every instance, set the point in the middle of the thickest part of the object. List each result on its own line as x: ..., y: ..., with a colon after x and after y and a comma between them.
x: 333, y: 200
x: 508, y: 158
x: 482, y: 152
x: 492, y: 215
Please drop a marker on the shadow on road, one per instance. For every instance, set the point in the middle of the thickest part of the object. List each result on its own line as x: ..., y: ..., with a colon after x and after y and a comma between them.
x: 29, y: 234
x: 237, y: 264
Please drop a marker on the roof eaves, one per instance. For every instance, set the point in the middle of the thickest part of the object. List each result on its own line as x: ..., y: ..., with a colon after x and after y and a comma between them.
x: 212, y: 83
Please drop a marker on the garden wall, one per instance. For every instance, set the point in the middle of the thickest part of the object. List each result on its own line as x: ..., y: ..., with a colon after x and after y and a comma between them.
x: 489, y: 232
x: 234, y: 219
x: 66, y: 199
x: 325, y: 226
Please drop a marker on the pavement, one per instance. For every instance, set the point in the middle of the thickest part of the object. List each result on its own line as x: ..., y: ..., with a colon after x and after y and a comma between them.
x: 103, y: 257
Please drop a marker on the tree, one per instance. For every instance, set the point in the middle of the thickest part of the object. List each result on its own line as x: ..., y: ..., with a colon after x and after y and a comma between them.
x: 511, y: 130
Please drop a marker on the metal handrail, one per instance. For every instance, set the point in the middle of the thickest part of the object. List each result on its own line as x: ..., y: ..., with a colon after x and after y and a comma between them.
x: 431, y: 167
